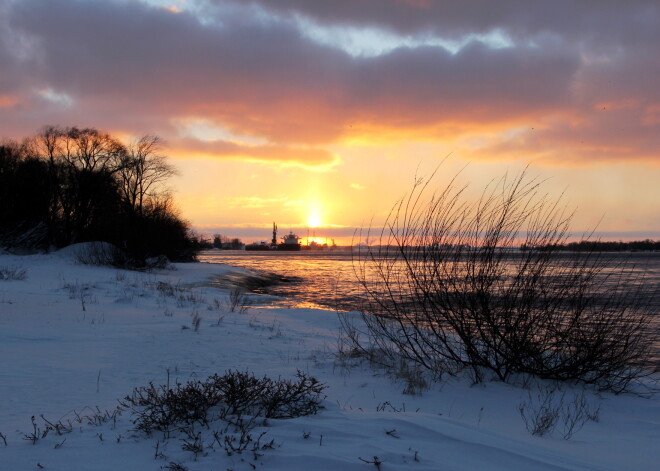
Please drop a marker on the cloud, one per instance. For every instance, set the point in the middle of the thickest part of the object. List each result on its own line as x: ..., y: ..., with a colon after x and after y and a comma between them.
x: 603, y: 21
x: 251, y: 202
x: 593, y: 137
x: 310, y: 157
x: 7, y: 101
x: 60, y: 99
x: 251, y: 68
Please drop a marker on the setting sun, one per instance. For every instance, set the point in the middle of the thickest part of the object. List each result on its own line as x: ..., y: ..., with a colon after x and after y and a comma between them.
x: 314, y: 219
x: 314, y: 214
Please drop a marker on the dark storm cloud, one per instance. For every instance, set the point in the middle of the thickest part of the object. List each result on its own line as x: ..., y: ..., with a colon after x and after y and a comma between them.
x: 9, y: 64
x: 138, y: 68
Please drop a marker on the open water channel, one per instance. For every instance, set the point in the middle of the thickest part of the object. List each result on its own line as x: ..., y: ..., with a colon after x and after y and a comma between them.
x: 327, y: 279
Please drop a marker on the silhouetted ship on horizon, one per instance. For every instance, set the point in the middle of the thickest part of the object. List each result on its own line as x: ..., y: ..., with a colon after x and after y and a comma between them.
x: 290, y: 242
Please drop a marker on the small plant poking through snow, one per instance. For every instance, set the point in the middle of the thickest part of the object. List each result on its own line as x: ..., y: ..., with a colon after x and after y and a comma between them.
x: 196, y: 321
x: 237, y: 301
x: 12, y: 273
x: 184, y: 296
x: 172, y: 466
x: 413, y: 376
x: 376, y: 462
x: 551, y: 407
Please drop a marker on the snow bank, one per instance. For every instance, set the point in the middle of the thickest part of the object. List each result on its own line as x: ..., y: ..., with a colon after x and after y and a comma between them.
x: 76, y: 337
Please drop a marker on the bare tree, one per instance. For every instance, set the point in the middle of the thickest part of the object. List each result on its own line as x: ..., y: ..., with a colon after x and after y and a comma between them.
x: 446, y: 288
x: 86, y: 149
x: 81, y: 163
x: 143, y: 172
x: 92, y: 150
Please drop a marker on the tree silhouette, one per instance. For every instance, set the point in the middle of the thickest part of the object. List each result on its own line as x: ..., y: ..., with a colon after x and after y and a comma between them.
x: 67, y: 185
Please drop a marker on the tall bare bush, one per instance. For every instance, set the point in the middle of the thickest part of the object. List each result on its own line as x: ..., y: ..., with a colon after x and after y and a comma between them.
x: 446, y: 287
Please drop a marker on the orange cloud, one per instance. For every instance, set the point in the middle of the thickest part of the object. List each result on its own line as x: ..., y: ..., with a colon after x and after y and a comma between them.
x: 307, y: 157
x: 608, y: 134
x: 8, y: 101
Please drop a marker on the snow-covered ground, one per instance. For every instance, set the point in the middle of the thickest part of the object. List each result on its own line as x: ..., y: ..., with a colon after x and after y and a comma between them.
x: 76, y: 337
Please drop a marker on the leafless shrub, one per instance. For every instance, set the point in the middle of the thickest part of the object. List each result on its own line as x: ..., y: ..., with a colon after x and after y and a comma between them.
x: 414, y: 377
x: 388, y: 407
x: 106, y: 254
x: 229, y: 397
x: 174, y: 466
x: 237, y: 300
x: 187, y: 297
x: 99, y: 417
x: 58, y: 427
x: 182, y: 295
x: 215, y: 305
x: 540, y: 414
x: 160, y: 262
x: 446, y: 287
x: 375, y: 461
x: 12, y: 273
x: 196, y: 321
x: 194, y: 443
x: 39, y: 433
x: 168, y: 409
x: 74, y: 289
x: 392, y: 433
x: 168, y: 289
x: 36, y: 434
x: 551, y: 407
x: 102, y: 253
x: 577, y: 412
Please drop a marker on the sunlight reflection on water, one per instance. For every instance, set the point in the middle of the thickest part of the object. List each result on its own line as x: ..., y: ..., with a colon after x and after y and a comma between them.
x: 318, y: 280
x: 326, y: 279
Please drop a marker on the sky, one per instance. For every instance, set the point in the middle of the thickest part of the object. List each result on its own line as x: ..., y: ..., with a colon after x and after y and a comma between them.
x: 321, y: 115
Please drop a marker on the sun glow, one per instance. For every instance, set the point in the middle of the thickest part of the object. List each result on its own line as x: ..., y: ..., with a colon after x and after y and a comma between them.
x: 316, y: 240
x: 313, y: 219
